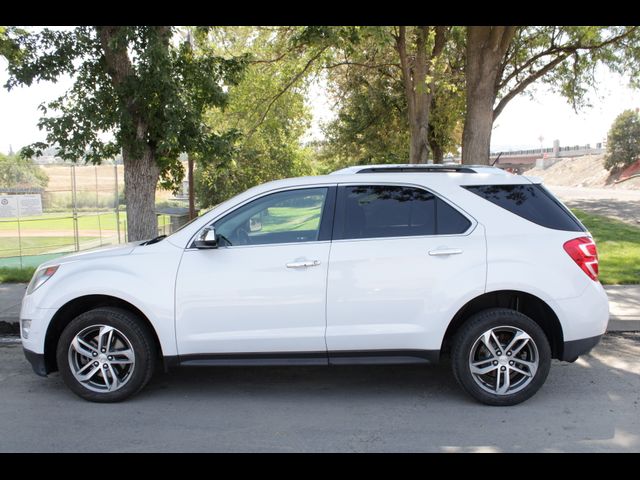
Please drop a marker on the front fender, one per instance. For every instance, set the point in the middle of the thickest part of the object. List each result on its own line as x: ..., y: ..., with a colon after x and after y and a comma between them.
x: 145, y: 279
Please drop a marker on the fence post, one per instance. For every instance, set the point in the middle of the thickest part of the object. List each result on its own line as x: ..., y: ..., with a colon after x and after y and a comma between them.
x: 19, y: 235
x: 95, y: 169
x: 75, y: 208
x: 117, y: 202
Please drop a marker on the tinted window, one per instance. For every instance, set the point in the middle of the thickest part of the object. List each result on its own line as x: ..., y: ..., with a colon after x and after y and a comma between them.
x: 283, y: 217
x: 532, y: 202
x: 373, y: 211
x: 450, y: 221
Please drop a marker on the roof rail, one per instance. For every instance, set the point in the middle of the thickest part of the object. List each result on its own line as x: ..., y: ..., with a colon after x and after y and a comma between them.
x: 420, y: 168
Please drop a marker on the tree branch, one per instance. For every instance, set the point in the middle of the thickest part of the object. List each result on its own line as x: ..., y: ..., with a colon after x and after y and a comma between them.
x: 365, y: 65
x: 565, y: 50
x: 440, y: 40
x: 289, y: 84
x: 271, y: 60
x: 519, y: 88
x: 401, y: 47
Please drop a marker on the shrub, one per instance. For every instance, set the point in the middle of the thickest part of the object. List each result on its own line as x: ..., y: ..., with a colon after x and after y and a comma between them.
x: 623, y: 141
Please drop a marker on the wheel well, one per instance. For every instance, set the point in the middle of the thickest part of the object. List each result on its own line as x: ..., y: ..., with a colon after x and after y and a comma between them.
x: 78, y: 306
x: 525, y: 303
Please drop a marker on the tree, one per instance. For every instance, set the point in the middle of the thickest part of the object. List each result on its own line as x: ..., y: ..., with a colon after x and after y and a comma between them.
x: 623, y: 141
x: 267, y: 108
x: 420, y: 55
x: 373, y: 94
x: 19, y: 172
x: 134, y: 91
x: 504, y: 61
x: 486, y: 49
x: 371, y: 123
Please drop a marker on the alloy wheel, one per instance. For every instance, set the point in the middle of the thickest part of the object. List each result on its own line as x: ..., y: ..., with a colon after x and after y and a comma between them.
x: 503, y: 360
x: 101, y: 358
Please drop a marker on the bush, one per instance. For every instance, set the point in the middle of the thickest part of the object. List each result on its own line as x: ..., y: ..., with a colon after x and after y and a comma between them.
x: 623, y: 141
x: 19, y: 172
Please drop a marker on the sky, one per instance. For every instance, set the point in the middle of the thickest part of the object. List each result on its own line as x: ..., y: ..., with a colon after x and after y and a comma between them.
x: 524, y: 120
x: 519, y: 126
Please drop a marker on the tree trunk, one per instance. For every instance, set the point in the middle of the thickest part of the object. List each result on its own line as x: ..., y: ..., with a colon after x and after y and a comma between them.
x: 436, y: 148
x: 418, y: 149
x: 141, y: 174
x: 476, y: 136
x: 414, y: 74
x: 486, y: 48
x: 418, y: 88
x: 192, y: 203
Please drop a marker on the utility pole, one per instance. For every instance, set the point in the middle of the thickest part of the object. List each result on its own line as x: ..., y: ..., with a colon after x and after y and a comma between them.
x: 541, y: 139
x: 192, y: 206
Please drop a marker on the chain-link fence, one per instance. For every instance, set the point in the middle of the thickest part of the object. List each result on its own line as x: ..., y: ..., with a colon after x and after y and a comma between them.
x: 80, y: 207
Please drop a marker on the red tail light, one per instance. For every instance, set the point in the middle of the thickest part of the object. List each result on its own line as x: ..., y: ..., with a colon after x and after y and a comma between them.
x: 583, y: 251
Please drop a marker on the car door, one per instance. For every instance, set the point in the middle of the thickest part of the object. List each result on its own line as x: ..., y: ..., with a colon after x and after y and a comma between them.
x: 400, y: 258
x: 264, y: 288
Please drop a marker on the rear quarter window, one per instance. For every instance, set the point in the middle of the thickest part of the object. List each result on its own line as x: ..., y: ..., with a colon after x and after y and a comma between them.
x: 531, y: 202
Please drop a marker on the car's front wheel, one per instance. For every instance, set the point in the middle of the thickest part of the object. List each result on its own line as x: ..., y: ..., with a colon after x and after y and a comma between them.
x: 501, y: 357
x: 106, y: 355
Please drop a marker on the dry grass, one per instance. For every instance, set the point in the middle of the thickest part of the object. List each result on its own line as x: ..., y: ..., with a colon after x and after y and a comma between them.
x: 60, y: 177
x: 90, y: 177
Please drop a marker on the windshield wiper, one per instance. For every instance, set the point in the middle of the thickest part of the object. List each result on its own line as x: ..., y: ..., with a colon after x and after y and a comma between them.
x: 153, y: 240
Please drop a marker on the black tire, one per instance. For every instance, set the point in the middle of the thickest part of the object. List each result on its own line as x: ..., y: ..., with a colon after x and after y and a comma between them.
x: 471, y: 332
x: 136, y: 333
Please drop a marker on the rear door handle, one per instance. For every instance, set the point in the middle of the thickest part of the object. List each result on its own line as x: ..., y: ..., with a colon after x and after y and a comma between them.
x: 445, y: 251
x: 310, y: 263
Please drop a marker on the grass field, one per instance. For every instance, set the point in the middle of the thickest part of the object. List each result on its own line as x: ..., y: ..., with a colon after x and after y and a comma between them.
x: 10, y: 247
x: 618, y: 248
x: 64, y: 221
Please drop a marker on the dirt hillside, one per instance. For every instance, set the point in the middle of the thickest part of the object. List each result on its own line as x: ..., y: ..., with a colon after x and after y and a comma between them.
x: 585, y: 171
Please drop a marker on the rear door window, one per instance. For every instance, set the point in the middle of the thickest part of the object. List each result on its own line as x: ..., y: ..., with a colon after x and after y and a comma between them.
x: 377, y: 211
x: 532, y: 202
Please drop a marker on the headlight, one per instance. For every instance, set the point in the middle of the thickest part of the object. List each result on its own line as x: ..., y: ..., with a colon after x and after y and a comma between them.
x: 40, y: 277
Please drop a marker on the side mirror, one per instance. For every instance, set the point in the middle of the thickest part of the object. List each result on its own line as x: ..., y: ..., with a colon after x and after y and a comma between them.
x: 207, y: 239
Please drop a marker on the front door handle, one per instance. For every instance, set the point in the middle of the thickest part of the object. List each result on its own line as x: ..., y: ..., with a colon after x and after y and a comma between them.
x: 445, y: 251
x: 310, y: 263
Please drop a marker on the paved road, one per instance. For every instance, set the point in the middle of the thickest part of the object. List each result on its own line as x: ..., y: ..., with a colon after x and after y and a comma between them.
x: 587, y: 406
x: 617, y: 203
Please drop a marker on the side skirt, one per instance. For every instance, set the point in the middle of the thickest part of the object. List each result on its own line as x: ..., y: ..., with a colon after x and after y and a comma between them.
x: 358, y: 357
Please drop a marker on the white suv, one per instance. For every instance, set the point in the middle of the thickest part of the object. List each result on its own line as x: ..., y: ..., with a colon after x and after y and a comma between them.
x: 370, y: 265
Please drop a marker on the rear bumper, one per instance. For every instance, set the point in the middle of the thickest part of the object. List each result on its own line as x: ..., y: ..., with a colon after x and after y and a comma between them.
x: 574, y: 348
x: 37, y: 362
x: 584, y: 317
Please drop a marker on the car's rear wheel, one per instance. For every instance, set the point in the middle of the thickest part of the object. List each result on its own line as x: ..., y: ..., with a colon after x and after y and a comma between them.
x: 106, y: 355
x: 501, y: 357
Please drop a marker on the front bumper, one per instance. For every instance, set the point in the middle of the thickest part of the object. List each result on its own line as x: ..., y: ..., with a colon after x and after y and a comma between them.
x: 574, y: 348
x: 37, y: 362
